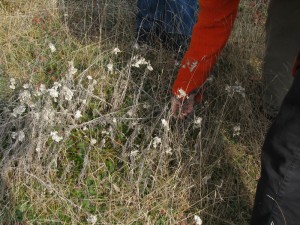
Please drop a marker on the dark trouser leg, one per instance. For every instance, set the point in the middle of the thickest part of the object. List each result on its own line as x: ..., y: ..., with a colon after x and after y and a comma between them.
x: 179, y: 19
x: 277, y: 199
x: 180, y: 16
x: 148, y: 18
x: 282, y: 46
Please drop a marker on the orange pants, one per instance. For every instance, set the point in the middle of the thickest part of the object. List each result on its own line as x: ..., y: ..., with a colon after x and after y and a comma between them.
x: 210, y: 34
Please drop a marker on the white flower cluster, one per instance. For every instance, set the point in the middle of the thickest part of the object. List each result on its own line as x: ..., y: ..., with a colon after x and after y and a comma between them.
x: 26, y: 86
x: 236, y: 131
x: 169, y: 150
x: 55, y: 137
x: 48, y: 114
x: 12, y: 83
x: 110, y: 67
x: 67, y: 93
x: 41, y: 90
x: 93, y: 141
x: 58, y: 88
x: 92, y: 219
x: 198, y: 121
x: 237, y: 88
x: 116, y: 51
x: 20, y: 136
x: 52, y: 47
x: 71, y: 70
x: 138, y: 60
x: 19, y: 110
x: 78, y: 114
x: 134, y: 153
x: 26, y: 98
x: 53, y: 92
x: 156, y: 142
x: 182, y: 94
x: 165, y: 124
x: 53, y: 108
x: 198, y: 220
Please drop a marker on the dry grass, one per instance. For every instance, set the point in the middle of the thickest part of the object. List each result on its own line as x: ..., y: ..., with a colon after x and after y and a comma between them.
x: 123, y: 178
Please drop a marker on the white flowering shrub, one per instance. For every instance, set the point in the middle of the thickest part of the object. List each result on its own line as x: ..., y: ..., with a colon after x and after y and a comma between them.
x: 69, y: 127
x: 46, y: 113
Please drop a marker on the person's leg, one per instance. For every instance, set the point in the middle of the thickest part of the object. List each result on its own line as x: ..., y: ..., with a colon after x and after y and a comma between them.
x: 277, y: 199
x: 179, y: 19
x: 282, y: 45
x: 180, y: 16
x: 149, y: 14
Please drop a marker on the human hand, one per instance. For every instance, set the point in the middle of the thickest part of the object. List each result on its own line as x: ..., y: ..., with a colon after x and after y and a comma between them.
x: 182, y: 108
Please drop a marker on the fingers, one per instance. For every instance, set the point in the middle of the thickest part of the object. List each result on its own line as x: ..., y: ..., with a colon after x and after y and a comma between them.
x: 175, y: 106
x: 182, y: 109
x: 186, y: 109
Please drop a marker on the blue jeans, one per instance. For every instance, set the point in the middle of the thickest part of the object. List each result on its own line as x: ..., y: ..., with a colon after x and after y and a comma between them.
x: 169, y: 16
